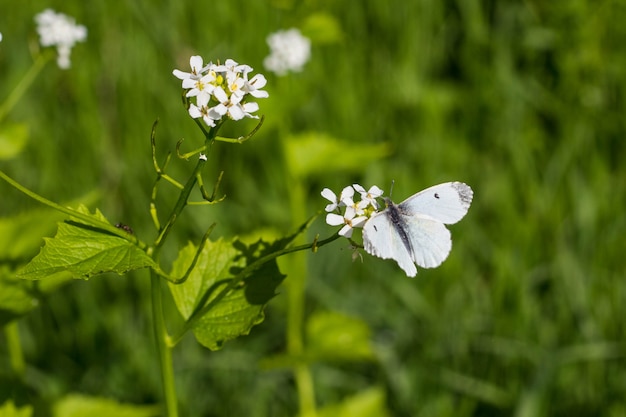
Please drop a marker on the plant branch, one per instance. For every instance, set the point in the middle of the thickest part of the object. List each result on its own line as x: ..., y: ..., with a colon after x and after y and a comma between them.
x: 88, y: 219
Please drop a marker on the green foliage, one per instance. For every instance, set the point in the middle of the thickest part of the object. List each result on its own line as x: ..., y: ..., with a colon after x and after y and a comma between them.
x: 235, y: 310
x: 13, y: 138
x: 524, y: 101
x: 370, y: 403
x: 8, y: 409
x: 315, y: 153
x: 84, y: 251
x: 76, y: 405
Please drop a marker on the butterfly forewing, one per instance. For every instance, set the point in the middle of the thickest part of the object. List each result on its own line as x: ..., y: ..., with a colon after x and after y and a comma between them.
x: 446, y: 203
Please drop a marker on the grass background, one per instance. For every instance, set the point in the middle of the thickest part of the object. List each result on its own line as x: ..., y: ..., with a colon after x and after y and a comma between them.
x: 523, y: 100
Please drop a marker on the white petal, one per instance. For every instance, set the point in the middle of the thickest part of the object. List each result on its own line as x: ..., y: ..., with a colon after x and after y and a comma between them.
x: 196, y: 62
x: 329, y: 195
x: 180, y: 74
x: 359, y: 221
x: 250, y: 107
x: 220, y: 95
x: 334, y: 219
x: 236, y: 113
x: 194, y: 111
x: 346, y: 231
x: 258, y: 81
x: 218, y: 111
x: 374, y: 191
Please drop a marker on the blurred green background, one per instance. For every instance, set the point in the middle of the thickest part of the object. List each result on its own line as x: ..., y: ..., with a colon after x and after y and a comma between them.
x: 523, y: 100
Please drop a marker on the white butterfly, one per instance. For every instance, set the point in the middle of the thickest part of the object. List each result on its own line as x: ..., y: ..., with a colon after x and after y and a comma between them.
x: 413, y: 231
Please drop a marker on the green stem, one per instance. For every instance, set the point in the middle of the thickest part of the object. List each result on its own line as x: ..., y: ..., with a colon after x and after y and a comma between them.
x: 23, y: 85
x: 180, y: 203
x: 297, y: 273
x: 296, y: 270
x: 90, y: 220
x: 14, y: 347
x: 163, y: 349
x: 164, y: 345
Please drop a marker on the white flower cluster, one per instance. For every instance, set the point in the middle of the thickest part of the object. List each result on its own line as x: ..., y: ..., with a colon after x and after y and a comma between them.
x: 57, y: 29
x: 221, y: 90
x: 343, y: 210
x: 289, y: 51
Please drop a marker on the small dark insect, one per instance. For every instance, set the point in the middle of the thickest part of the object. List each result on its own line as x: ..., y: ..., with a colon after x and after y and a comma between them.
x: 437, y: 195
x: 125, y: 228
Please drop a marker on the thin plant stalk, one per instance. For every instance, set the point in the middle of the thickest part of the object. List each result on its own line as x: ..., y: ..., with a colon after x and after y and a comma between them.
x: 14, y: 347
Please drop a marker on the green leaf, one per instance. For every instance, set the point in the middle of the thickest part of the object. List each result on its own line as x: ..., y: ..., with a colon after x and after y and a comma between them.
x: 317, y: 153
x: 331, y: 337
x: 18, y: 296
x: 337, y: 337
x: 238, y: 309
x: 15, y: 299
x: 75, y: 405
x: 13, y: 137
x: 368, y: 403
x: 8, y: 409
x: 85, y: 251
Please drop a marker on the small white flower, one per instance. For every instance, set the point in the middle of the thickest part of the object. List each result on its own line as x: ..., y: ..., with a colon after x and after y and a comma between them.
x: 195, y: 62
x: 204, y: 112
x: 370, y: 195
x: 359, y: 206
x: 201, y: 88
x: 57, y: 29
x: 349, y: 220
x: 335, y: 202
x: 289, y: 51
x: 253, y: 86
x: 221, y: 90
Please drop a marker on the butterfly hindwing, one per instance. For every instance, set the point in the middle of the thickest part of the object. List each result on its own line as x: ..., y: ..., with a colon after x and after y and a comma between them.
x: 430, y: 241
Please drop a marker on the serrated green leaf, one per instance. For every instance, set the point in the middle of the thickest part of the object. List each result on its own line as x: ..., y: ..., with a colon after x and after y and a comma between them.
x: 316, y: 152
x: 13, y: 137
x: 76, y: 405
x: 85, y: 251
x: 8, y: 409
x: 242, y: 307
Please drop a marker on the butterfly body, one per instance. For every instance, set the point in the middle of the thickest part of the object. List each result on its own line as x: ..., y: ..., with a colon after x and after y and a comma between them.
x: 413, y: 232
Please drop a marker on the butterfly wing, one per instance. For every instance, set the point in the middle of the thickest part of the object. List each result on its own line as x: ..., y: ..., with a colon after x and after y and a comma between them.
x: 381, y: 239
x: 447, y: 203
x: 430, y: 240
